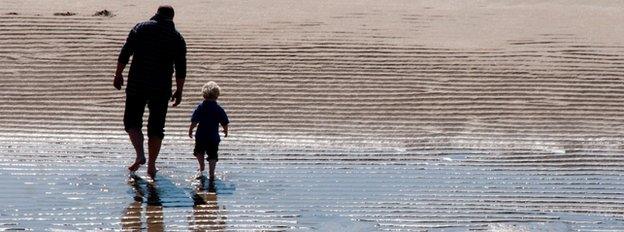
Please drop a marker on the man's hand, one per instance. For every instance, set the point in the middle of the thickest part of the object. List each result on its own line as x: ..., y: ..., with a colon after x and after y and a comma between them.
x: 176, y: 98
x: 225, y: 133
x: 191, y: 133
x: 118, y: 81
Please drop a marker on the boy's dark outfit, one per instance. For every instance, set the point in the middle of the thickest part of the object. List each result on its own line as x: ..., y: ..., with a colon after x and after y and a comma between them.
x: 156, y: 46
x: 209, y: 115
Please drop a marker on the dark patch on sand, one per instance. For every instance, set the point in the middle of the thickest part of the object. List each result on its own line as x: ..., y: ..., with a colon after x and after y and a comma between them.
x: 12, y: 13
x: 65, y: 14
x: 104, y: 13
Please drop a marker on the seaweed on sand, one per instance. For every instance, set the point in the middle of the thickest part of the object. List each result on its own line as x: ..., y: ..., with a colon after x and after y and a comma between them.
x: 65, y: 14
x: 104, y: 13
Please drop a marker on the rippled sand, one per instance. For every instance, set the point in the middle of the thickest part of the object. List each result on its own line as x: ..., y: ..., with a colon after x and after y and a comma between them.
x: 353, y: 116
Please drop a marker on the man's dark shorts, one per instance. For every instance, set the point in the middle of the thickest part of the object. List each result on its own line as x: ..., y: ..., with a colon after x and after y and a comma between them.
x: 135, y: 107
x: 209, y: 148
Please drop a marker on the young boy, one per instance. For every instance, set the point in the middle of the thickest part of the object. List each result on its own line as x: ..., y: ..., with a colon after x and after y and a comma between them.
x: 208, y: 115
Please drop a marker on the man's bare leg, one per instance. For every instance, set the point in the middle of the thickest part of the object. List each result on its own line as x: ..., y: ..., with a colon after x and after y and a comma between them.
x: 200, y: 162
x: 153, y: 148
x: 136, y: 137
x: 211, y: 165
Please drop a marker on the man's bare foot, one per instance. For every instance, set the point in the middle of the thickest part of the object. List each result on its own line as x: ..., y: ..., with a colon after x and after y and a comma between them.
x: 151, y: 172
x: 137, y: 164
x: 132, y: 177
x: 200, y: 174
x: 211, y: 187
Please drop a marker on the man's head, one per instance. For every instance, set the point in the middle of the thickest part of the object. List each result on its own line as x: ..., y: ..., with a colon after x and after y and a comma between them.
x: 165, y: 12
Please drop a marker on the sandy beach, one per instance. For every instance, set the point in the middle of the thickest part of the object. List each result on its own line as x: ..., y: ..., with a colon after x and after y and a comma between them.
x: 345, y: 116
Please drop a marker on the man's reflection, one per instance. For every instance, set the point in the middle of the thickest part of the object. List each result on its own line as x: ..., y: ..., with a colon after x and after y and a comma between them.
x: 131, y: 220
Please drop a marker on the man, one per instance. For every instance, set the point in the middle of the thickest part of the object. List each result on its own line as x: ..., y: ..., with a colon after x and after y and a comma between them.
x: 156, y: 47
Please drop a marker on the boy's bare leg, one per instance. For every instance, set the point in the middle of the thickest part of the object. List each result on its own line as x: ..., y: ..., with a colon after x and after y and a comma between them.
x: 211, y: 165
x: 136, y: 137
x: 152, y: 150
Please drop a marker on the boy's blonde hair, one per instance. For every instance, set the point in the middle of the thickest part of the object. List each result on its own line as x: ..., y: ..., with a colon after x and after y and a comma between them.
x: 211, y: 91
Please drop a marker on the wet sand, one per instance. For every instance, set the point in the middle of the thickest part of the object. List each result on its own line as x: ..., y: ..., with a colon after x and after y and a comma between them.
x: 358, y: 116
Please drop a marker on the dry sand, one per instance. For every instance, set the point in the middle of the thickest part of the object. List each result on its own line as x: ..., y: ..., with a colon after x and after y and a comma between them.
x: 352, y: 115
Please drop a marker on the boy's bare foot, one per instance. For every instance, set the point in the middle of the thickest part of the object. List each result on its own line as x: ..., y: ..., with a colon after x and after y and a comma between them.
x: 137, y: 164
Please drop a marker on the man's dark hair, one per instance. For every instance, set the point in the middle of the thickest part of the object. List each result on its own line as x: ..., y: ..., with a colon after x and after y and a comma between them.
x: 165, y: 12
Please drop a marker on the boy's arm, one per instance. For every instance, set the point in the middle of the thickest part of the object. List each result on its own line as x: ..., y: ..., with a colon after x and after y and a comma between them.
x: 190, y: 133
x: 225, y: 129
x: 225, y: 121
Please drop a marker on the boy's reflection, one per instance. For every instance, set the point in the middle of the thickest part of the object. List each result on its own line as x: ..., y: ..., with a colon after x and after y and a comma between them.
x: 206, y: 214
x: 131, y: 219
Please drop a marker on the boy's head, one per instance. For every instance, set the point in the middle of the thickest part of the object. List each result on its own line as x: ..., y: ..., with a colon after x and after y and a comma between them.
x: 211, y: 91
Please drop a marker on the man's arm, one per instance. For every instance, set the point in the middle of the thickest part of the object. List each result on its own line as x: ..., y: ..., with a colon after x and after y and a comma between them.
x: 180, y: 72
x: 118, y: 81
x: 177, y: 95
x: 124, y: 57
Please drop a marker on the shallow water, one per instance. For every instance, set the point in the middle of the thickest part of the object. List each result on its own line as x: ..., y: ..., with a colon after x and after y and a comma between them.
x: 336, y: 126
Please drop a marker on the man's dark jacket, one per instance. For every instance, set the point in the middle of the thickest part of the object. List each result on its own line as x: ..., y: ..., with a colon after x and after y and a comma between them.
x: 156, y: 47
